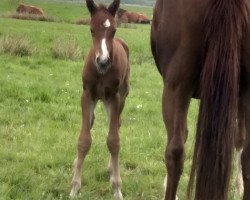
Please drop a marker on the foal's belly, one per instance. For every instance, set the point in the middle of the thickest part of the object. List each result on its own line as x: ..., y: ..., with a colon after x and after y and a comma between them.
x: 104, y: 90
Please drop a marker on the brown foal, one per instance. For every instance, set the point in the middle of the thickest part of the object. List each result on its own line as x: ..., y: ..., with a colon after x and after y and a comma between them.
x: 202, y: 49
x: 105, y: 78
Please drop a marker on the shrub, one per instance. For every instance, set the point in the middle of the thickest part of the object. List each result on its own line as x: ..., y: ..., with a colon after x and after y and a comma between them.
x: 82, y: 21
x: 26, y: 16
x: 16, y: 45
x: 68, y: 49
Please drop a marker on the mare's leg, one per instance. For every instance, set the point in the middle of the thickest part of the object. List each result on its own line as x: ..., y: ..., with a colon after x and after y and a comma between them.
x: 175, y: 104
x: 239, y: 179
x: 239, y: 141
x: 84, y: 140
x: 113, y: 143
x: 245, y: 158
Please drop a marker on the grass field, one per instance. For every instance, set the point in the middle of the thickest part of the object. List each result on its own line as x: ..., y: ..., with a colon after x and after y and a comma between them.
x: 40, y: 115
x: 66, y: 12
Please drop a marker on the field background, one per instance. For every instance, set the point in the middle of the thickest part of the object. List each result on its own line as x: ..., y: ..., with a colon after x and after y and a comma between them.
x: 40, y: 112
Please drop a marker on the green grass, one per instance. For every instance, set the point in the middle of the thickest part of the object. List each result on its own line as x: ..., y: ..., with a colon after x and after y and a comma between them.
x: 40, y: 118
x: 55, y: 9
x: 66, y: 12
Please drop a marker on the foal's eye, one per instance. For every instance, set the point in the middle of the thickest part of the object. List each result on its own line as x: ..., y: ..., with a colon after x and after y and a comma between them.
x: 91, y: 30
x: 113, y: 32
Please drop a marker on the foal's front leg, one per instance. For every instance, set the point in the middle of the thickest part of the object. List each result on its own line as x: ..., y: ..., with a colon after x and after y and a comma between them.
x: 84, y: 141
x: 113, y: 143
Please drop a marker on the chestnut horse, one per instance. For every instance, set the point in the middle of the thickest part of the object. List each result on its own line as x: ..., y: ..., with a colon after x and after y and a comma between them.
x: 22, y: 8
x: 132, y: 17
x: 105, y: 78
x: 202, y: 49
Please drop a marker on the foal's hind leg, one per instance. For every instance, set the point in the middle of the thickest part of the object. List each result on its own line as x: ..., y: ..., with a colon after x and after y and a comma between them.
x: 113, y: 143
x: 175, y: 107
x: 246, y: 149
x: 84, y: 141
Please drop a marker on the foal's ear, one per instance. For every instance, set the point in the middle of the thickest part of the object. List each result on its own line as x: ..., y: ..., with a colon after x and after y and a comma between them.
x: 113, y: 7
x: 91, y: 6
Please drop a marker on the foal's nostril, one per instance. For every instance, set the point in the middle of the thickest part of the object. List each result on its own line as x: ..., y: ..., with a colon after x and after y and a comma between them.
x: 98, y: 59
x: 103, y: 64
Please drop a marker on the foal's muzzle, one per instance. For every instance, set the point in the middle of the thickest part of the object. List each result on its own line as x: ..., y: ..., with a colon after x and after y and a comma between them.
x: 103, y: 65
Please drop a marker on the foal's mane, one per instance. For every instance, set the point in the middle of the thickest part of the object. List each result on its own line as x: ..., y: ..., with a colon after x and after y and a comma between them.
x: 102, y: 7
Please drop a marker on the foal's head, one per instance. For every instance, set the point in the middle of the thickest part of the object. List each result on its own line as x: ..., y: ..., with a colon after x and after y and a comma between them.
x: 103, y: 28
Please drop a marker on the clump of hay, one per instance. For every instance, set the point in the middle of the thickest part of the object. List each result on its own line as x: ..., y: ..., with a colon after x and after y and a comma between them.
x: 26, y: 16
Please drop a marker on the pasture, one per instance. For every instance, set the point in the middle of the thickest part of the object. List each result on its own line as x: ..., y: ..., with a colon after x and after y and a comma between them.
x: 40, y: 113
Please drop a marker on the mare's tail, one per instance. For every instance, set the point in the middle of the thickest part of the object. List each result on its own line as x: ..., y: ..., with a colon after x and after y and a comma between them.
x: 224, y: 25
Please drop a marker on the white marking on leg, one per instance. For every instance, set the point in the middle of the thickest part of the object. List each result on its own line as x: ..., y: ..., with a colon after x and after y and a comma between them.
x: 165, y: 183
x: 76, y: 182
x: 110, y: 169
x: 106, y: 23
x: 165, y: 187
x: 118, y: 194
x: 239, y: 179
x: 115, y: 178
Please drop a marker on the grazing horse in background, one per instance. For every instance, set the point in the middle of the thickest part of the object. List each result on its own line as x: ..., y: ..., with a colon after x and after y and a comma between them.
x: 105, y: 78
x: 133, y: 17
x: 22, y: 8
x: 202, y: 49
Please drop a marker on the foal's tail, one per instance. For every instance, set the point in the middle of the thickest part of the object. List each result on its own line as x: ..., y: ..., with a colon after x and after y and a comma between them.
x: 224, y: 26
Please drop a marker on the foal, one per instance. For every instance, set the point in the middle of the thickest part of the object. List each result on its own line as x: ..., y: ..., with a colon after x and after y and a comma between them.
x: 105, y: 78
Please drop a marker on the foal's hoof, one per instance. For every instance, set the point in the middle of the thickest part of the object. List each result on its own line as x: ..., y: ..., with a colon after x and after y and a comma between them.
x: 75, y: 187
x: 118, y: 195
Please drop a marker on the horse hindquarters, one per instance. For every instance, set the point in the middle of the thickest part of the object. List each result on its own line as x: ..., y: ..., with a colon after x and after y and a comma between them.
x: 245, y: 158
x: 219, y: 98
x: 245, y: 98
x: 174, y: 53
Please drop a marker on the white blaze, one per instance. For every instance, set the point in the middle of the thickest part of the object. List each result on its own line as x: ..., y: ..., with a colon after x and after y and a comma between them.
x: 105, y: 53
x: 107, y: 23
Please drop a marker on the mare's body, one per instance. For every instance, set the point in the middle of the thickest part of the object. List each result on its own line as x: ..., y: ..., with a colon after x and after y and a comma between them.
x: 132, y: 17
x: 22, y: 8
x: 202, y: 49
